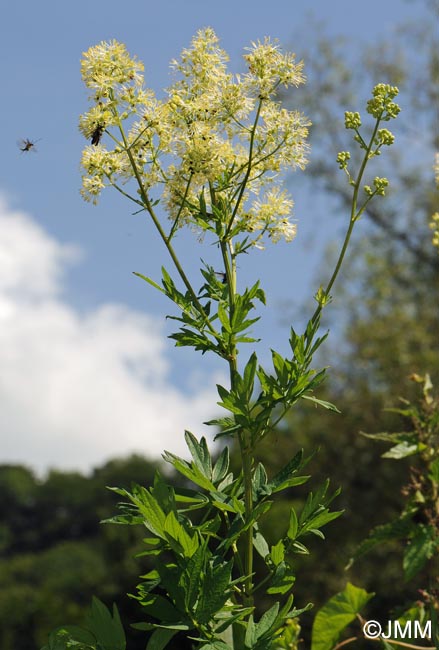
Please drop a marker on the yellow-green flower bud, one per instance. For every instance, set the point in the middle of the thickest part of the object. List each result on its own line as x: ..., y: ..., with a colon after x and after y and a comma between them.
x: 380, y: 185
x: 352, y: 120
x: 385, y: 137
x: 381, y: 106
x: 342, y: 159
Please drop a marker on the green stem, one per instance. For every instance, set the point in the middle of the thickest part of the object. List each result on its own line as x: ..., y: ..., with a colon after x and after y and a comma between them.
x: 147, y: 204
x: 244, y: 438
x: 355, y: 214
x: 249, y: 168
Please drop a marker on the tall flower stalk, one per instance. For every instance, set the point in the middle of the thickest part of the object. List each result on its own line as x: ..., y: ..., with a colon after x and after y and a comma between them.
x: 211, y: 155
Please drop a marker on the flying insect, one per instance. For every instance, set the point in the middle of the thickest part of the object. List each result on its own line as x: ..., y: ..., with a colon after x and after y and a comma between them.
x: 27, y: 145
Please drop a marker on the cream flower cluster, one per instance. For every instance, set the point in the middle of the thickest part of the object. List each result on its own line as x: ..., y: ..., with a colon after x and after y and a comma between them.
x: 213, y: 151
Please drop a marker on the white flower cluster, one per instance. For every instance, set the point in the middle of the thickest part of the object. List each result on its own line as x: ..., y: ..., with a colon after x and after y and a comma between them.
x: 217, y: 145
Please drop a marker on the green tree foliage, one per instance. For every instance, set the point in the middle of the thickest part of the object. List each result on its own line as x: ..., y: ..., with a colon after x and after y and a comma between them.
x: 55, y: 554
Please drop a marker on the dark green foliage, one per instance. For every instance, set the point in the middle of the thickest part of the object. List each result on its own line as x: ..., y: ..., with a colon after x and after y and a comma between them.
x: 55, y: 554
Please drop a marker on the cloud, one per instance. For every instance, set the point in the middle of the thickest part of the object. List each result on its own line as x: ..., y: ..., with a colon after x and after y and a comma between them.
x: 77, y: 389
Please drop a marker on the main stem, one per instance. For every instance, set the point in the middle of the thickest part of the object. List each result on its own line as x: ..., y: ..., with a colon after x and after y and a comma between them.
x: 244, y: 438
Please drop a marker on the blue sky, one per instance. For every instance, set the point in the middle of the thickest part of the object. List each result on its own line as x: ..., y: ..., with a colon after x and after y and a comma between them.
x: 86, y: 371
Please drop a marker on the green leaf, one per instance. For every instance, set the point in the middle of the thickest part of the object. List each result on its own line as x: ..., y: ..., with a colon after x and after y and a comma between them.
x: 249, y: 375
x: 192, y: 576
x: 160, y: 608
x: 434, y: 626
x: 434, y: 470
x: 221, y: 466
x: 160, y: 638
x: 149, y: 281
x: 282, y: 580
x: 61, y: 636
x: 200, y: 454
x: 260, y: 544
x: 298, y: 547
x: 224, y: 318
x: 335, y: 615
x: 420, y: 549
x: 402, y: 450
x: 321, y: 402
x: 153, y: 515
x: 277, y: 552
x: 260, y: 483
x: 320, y: 520
x: 294, y: 525
x: 215, y: 590
x: 107, y: 629
x: 390, y: 437
x: 281, y: 478
x: 399, y: 529
x: 192, y: 473
x: 187, y: 544
x: 265, y: 624
x: 250, y: 633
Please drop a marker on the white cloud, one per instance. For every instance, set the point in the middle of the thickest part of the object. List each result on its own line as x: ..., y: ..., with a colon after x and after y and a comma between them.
x: 78, y: 389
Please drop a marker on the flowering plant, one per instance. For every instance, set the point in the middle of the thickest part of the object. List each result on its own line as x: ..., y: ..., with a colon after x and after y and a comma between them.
x: 211, y: 156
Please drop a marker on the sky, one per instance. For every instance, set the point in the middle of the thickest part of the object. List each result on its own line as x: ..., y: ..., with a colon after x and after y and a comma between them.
x: 87, y: 372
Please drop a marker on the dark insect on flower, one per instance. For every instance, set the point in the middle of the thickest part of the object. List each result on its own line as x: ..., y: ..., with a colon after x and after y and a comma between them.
x: 97, y: 135
x: 27, y: 145
x: 222, y: 276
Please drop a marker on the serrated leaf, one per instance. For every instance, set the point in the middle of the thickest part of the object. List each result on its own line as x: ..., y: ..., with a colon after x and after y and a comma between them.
x: 421, y: 548
x: 192, y: 577
x: 282, y: 580
x: 286, y: 472
x: 221, y: 466
x: 260, y: 483
x: 394, y: 530
x: 161, y: 608
x: 200, y: 454
x: 224, y: 318
x: 107, y: 629
x: 215, y: 590
x: 192, y: 473
x: 265, y: 624
x: 78, y: 634
x: 291, y: 482
x: 249, y: 374
x: 321, y: 519
x: 153, y: 515
x: 173, y: 530
x: 250, y: 633
x: 388, y: 437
